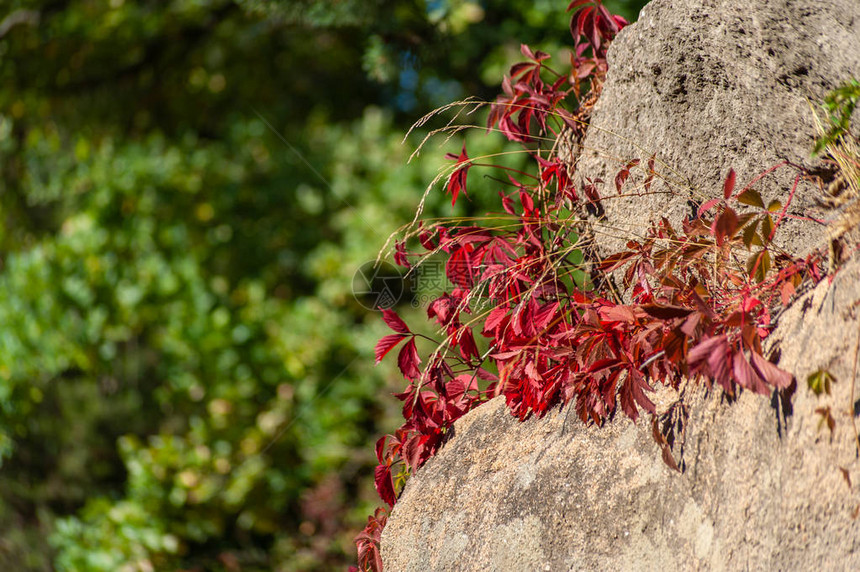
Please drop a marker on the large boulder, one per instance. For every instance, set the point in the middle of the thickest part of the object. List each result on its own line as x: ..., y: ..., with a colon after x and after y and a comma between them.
x: 767, y: 485
x: 709, y: 85
x: 706, y: 85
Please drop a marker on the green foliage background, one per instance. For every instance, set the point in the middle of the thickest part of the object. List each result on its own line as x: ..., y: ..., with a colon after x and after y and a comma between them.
x: 186, y: 189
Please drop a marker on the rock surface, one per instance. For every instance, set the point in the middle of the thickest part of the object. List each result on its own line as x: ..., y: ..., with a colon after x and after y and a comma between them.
x: 764, y: 488
x: 707, y: 85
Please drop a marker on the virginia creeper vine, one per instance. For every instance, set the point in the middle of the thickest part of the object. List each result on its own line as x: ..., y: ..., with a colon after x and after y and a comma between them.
x: 561, y: 324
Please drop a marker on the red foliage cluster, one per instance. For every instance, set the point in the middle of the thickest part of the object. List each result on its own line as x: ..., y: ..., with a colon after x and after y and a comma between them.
x: 555, y: 326
x: 368, y: 543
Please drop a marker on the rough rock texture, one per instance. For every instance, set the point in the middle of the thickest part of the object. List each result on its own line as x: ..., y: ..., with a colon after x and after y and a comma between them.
x: 707, y: 85
x: 710, y: 85
x: 761, y: 490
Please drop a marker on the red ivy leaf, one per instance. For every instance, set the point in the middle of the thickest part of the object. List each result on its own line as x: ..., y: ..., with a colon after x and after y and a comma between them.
x: 426, y: 240
x: 706, y: 206
x: 617, y: 260
x: 417, y: 449
x: 746, y: 375
x: 718, y: 360
x: 545, y: 315
x: 729, y: 184
x: 775, y: 376
x: 507, y: 204
x: 408, y: 360
x: 496, y: 316
x: 786, y: 291
x: 384, y: 484
x: 705, y: 348
x: 666, y: 312
x: 400, y: 254
x: 466, y: 340
x: 623, y: 174
x: 367, y: 542
x: 617, y: 314
x: 394, y: 322
x: 457, y: 180
x: 386, y: 447
x: 386, y: 344
x: 518, y: 69
x: 651, y: 173
x: 534, y: 56
x: 528, y: 203
x: 725, y: 225
x: 689, y: 325
x: 633, y: 393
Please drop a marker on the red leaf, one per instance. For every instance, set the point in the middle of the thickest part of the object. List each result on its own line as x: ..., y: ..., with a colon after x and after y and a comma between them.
x: 519, y: 68
x: 749, y: 303
x: 394, y: 322
x: 426, y: 239
x: 506, y: 355
x: 545, y: 315
x: 590, y: 190
x: 384, y: 484
x: 715, y: 353
x: 400, y: 254
x: 442, y: 309
x: 367, y: 543
x: 416, y: 450
x: 628, y: 405
x: 623, y: 174
x: 633, y: 393
x: 408, y: 360
x: 666, y: 312
x: 746, y: 376
x: 602, y: 364
x: 386, y: 447
x: 527, y: 202
x: 459, y: 267
x: 651, y: 173
x: 706, y: 206
x: 486, y: 375
x: 460, y: 385
x: 786, y: 291
x: 497, y: 315
x: 640, y: 386
x: 386, y: 344
x: 729, y: 184
x: 675, y: 345
x: 704, y: 349
x: 457, y: 180
x: 775, y: 376
x: 725, y: 225
x: 689, y: 326
x: 615, y: 261
x: 466, y: 340
x: 527, y: 52
x: 617, y: 313
x: 532, y: 371
x: 620, y: 21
